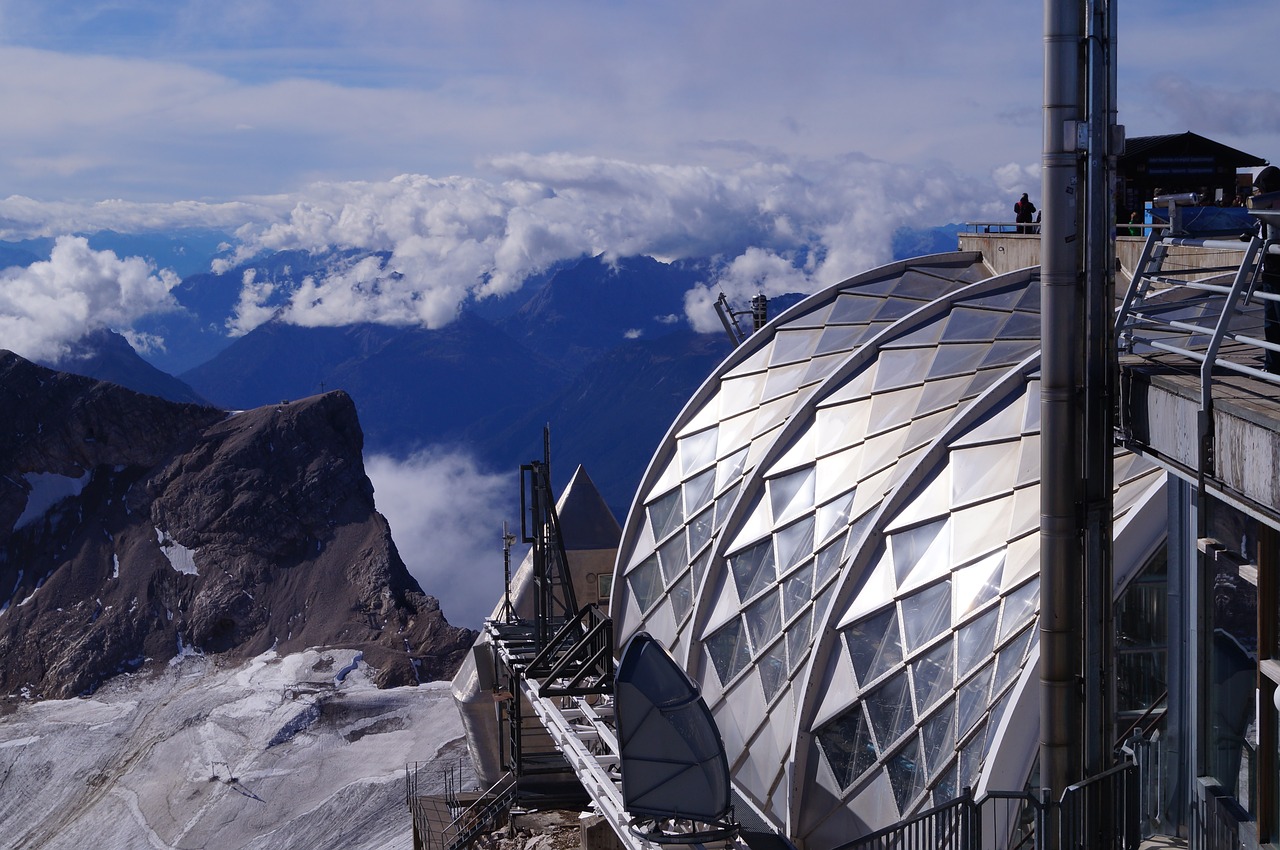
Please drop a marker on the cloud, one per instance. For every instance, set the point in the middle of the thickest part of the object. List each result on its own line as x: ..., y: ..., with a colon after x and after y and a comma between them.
x: 50, y: 304
x: 438, y: 242
x: 446, y: 518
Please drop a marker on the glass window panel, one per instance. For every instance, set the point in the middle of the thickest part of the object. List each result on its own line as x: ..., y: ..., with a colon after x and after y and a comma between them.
x: 725, y: 503
x: 926, y: 428
x: 1004, y: 299
x: 971, y: 758
x: 791, y: 494
x: 839, y: 338
x: 1011, y: 352
x: 753, y: 568
x: 646, y: 583
x: 982, y: 380
x: 833, y: 517
x: 797, y: 590
x: 957, y: 359
x: 1020, y: 607
x: 821, y: 367
x: 784, y: 380
x: 798, y: 637
x: 755, y: 362
x: 1030, y: 299
x: 981, y: 472
x: 815, y: 317
x: 932, y: 673
x: 902, y: 367
x: 893, y: 409
x: 947, y: 788
x: 665, y: 515
x: 700, y: 567
x: 773, y: 670
x: 672, y: 558
x: 854, y: 309
x: 846, y: 744
x: 972, y: 700
x: 976, y: 585
x: 906, y: 775
x: 700, y: 531
x: 939, y: 733
x: 764, y: 620
x: 729, y: 470
x: 941, y: 394
x: 895, y: 308
x: 795, y: 544
x: 909, y: 547
x: 790, y: 346
x: 697, y: 492
x: 822, y: 602
x: 889, y: 707
x: 740, y: 394
x: 682, y: 597
x: 697, y: 451
x: 966, y: 324
x: 922, y: 283
x: 874, y: 644
x: 729, y: 650
x: 975, y: 641
x: 828, y: 562
x: 1009, y: 661
x: 926, y: 614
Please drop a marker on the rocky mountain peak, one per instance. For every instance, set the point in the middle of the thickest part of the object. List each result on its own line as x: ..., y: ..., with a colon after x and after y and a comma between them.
x: 133, y: 530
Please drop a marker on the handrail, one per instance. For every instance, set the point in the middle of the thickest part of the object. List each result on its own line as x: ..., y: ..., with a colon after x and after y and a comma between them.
x: 963, y: 824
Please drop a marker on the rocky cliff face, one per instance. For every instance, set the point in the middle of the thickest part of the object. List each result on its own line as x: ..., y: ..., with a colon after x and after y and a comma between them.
x: 134, y: 529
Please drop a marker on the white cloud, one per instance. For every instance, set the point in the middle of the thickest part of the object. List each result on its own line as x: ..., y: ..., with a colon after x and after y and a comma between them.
x: 50, y: 304
x: 446, y: 518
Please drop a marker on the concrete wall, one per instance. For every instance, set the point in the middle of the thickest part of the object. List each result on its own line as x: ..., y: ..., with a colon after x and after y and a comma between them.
x: 1006, y: 252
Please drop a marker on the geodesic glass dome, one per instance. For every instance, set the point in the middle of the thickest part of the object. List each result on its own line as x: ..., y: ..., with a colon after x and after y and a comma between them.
x: 839, y: 541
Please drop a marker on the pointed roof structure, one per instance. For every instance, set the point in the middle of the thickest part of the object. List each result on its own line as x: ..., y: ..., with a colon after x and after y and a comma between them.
x: 585, y: 520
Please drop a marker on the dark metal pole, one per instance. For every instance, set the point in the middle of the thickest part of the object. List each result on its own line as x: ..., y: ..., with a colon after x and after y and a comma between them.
x: 1062, y: 335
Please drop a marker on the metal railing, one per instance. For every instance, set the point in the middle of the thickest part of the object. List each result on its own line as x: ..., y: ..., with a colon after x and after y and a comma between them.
x: 999, y: 820
x: 451, y: 821
x: 1101, y: 812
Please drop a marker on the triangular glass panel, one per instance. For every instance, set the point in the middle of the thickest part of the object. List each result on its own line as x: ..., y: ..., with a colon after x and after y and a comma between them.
x: 772, y: 414
x: 931, y: 500
x: 1026, y: 511
x: 833, y: 517
x: 1002, y: 423
x: 927, y: 334
x: 1005, y: 298
x: 699, y: 531
x: 673, y: 558
x: 646, y: 583
x: 735, y: 433
x: 821, y: 367
x: 874, y: 645
x: 854, y: 387
x: 837, y: 472
x: 895, y: 308
x: 972, y: 757
x: 753, y: 524
x: 933, y: 676
x: 939, y: 734
x: 1009, y: 661
x: 738, y: 395
x: 725, y: 503
x: 1006, y: 353
x: 966, y: 324
x: 846, y: 745
x: 795, y: 544
x: 839, y: 338
x: 670, y: 478
x: 792, y: 346
x: 1028, y: 460
x: 910, y: 546
x: 852, y: 309
x: 924, y: 430
x: 906, y: 775
x: 889, y: 708
x: 697, y: 492
x: 840, y: 427
x: 926, y: 614
x: 1020, y: 608
x: 773, y: 670
x: 922, y: 283
x: 697, y: 451
x: 981, y: 529
x: 976, y: 585
x: 753, y: 569
x: 957, y: 359
x: 934, y: 563
x: 728, y: 650
x: 812, y: 317
x: 979, y: 473
x: 822, y: 602
x: 1031, y: 298
x: 797, y: 590
x: 827, y: 564
x: 682, y: 597
x: 975, y: 641
x: 798, y: 639
x: 883, y: 451
x: 798, y: 453
x: 729, y: 470
x: 1031, y: 425
x: 792, y: 495
x: 764, y: 620
x: 893, y: 409
x: 700, y: 568
x: 757, y: 361
x: 784, y: 380
x: 707, y: 415
x: 902, y: 367
x: 972, y: 700
x: 1022, y: 326
x: 947, y: 786
x: 941, y: 394
x: 982, y: 380
x: 665, y: 515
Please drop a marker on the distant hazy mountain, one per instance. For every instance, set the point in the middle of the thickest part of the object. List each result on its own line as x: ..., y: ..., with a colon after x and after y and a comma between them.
x: 185, y: 251
x: 107, y: 356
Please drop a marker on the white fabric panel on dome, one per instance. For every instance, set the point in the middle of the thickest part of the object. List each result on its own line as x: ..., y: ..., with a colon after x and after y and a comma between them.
x: 839, y: 690
x: 924, y: 547
x: 707, y: 415
x: 890, y: 410
x: 968, y: 324
x: 642, y: 546
x: 931, y: 502
x: 697, y: 451
x: 942, y: 394
x: 832, y: 516
x: 1029, y: 460
x: 784, y: 380
x: 669, y: 478
x: 925, y: 429
x: 738, y: 395
x: 883, y: 450
x: 1019, y: 608
x: 839, y: 427
x: 698, y: 491
x: 871, y: 491
x: 1022, y: 560
x: 799, y: 453
x: 975, y: 585
x: 771, y: 414
x: 729, y: 470
x: 1003, y: 424
x: 790, y: 346
x: 957, y: 359
x: 757, y: 361
x: 727, y: 605
x: 820, y: 368
x: 792, y: 494
x: 902, y: 367
x: 1026, y: 511
x: 879, y: 587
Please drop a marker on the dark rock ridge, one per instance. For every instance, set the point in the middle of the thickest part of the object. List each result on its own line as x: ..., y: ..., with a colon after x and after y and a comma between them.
x: 134, y: 529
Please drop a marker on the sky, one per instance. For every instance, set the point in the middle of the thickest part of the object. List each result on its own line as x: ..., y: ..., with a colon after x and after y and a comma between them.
x: 476, y: 142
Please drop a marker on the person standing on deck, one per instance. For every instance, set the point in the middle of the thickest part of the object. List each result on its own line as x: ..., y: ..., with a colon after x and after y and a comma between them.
x: 1023, y: 212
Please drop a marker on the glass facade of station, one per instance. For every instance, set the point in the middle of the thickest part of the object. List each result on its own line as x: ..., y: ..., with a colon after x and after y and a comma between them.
x: 838, y: 540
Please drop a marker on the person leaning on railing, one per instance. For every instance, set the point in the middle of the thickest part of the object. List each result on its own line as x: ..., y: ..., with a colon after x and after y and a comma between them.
x: 1266, y: 195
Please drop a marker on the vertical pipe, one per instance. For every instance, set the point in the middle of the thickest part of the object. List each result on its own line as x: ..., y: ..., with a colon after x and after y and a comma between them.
x: 1062, y: 334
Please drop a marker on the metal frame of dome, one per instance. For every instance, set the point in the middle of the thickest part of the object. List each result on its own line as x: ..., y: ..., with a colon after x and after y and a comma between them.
x: 784, y: 492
